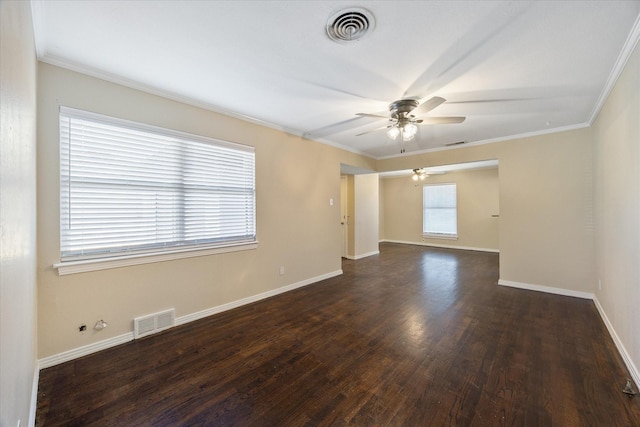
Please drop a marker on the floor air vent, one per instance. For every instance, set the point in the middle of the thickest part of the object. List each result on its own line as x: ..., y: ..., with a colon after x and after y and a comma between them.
x: 152, y: 323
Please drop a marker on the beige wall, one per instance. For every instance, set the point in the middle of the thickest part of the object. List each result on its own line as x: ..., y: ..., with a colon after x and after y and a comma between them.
x: 296, y: 226
x: 616, y: 135
x: 546, y: 226
x: 351, y: 206
x: 363, y: 210
x: 381, y: 210
x: 17, y: 213
x: 366, y: 213
x: 477, y: 192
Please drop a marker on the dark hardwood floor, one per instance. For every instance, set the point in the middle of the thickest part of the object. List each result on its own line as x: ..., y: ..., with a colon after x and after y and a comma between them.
x: 413, y: 337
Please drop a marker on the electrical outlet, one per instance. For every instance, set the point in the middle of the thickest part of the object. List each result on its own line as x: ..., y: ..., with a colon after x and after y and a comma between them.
x: 282, y: 270
x: 599, y: 284
x: 82, y: 328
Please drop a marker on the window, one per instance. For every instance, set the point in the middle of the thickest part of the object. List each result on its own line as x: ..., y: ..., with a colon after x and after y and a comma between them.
x: 440, y: 216
x: 128, y: 189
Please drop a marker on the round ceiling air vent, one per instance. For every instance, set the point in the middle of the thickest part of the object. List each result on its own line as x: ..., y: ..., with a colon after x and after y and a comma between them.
x: 350, y: 24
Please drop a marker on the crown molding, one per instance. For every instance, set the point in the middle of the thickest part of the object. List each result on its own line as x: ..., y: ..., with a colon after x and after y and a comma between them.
x: 623, y: 57
x: 490, y: 141
x: 112, y: 78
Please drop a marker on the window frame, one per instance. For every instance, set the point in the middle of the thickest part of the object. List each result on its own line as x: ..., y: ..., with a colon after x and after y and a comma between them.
x: 439, y: 235
x: 177, y: 250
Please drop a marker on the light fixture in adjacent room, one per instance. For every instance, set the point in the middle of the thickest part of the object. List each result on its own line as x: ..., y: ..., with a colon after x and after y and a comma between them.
x: 419, y: 175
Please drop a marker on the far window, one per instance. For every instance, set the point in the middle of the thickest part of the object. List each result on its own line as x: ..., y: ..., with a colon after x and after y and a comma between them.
x: 128, y: 189
x: 440, y: 213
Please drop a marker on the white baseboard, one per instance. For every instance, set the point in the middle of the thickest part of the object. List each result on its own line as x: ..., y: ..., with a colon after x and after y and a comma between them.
x: 121, y: 339
x: 434, y: 245
x: 633, y: 370
x: 85, y: 350
x: 357, y: 257
x: 547, y: 289
x: 75, y: 353
x: 235, y: 304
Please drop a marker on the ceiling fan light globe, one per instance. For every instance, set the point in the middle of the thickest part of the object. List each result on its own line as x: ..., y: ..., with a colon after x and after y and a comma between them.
x: 409, y: 131
x: 393, y: 132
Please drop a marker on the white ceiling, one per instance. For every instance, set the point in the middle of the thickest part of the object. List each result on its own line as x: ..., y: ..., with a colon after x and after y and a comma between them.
x: 512, y: 68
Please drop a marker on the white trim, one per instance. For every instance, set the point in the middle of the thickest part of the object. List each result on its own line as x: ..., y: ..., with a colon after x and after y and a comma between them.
x: 69, y: 355
x: 121, y: 339
x: 357, y: 257
x: 546, y: 289
x: 628, y: 361
x: 85, y: 350
x: 72, y: 267
x: 633, y: 370
x: 75, y: 113
x: 489, y: 141
x: 235, y: 304
x: 39, y: 35
x: 102, y: 75
x: 435, y: 245
x: 618, y: 67
x: 441, y: 236
x: 34, y: 395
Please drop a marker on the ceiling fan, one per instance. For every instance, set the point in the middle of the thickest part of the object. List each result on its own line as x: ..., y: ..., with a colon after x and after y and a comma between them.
x: 404, y: 116
x: 420, y: 174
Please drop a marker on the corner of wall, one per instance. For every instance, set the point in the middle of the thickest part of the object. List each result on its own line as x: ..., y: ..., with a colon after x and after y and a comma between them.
x: 626, y: 357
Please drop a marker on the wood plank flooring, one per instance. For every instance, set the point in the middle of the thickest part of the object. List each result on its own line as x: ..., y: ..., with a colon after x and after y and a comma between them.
x: 415, y: 336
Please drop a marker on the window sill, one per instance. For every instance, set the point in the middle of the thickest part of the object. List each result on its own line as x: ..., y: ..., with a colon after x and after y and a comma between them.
x: 83, y: 266
x: 440, y: 236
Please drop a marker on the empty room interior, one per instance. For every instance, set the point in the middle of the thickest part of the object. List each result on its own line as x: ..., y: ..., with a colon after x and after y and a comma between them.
x: 282, y: 213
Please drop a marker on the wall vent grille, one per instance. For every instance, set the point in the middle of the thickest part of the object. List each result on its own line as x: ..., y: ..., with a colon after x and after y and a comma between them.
x: 153, y: 323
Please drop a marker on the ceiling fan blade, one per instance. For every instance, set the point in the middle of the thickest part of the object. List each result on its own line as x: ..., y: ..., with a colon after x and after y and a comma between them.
x: 371, y: 131
x: 378, y: 116
x: 334, y: 128
x: 427, y: 106
x: 479, y: 41
x: 338, y: 90
x: 442, y: 120
x: 487, y: 101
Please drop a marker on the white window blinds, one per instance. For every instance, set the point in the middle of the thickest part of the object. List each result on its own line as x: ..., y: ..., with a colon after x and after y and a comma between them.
x: 440, y: 216
x: 127, y: 188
